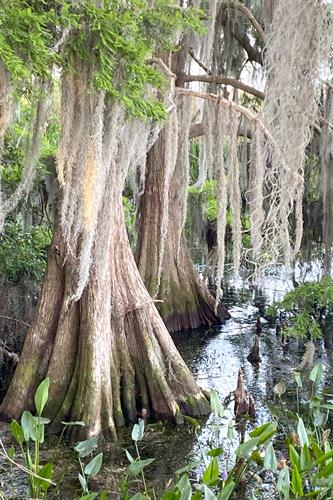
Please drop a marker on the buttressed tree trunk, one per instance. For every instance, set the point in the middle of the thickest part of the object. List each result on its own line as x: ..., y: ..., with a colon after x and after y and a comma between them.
x: 108, y: 354
x: 186, y: 302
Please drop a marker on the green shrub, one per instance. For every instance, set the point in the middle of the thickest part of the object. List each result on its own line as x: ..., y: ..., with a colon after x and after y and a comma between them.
x: 23, y: 253
x: 303, y: 309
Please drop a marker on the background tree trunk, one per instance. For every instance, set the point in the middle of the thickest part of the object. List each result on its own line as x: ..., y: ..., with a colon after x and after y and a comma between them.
x: 186, y: 303
x: 108, y: 355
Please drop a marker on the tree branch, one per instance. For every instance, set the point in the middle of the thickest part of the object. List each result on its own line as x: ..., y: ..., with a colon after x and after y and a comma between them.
x: 249, y: 115
x: 242, y: 38
x: 248, y: 13
x: 201, y: 64
x: 223, y: 81
x: 196, y: 130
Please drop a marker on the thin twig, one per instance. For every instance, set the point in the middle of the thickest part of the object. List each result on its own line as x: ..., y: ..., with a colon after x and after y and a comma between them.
x: 15, y: 319
x: 4, y: 454
x: 201, y: 64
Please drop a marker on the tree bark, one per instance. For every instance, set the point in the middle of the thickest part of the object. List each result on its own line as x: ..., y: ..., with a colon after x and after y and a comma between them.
x: 109, y: 355
x: 186, y: 303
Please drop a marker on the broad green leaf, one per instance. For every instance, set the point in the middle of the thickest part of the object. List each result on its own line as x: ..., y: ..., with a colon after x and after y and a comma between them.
x: 302, y: 434
x: 83, y: 483
x: 259, y: 430
x: 93, y: 467
x: 294, y: 457
x: 171, y: 495
x: 327, y: 471
x: 270, y: 461
x: 245, y: 449
x: 320, y: 419
x: 257, y: 458
x: 136, y: 467
x: 316, y: 373
x: 46, y: 472
x: 89, y: 496
x: 187, y: 468
x: 268, y: 433
x: 187, y: 493
x: 28, y: 460
x: 208, y: 494
x: 211, y: 474
x: 11, y: 452
x: 264, y: 432
x: 298, y: 379
x: 129, y: 457
x: 183, y: 483
x: 316, y: 449
x: 40, y: 429
x: 227, y: 491
x: 325, y: 456
x: 42, y: 420
x: 41, y: 395
x: 138, y: 431
x: 84, y: 448
x: 138, y: 496
x: 17, y: 432
x: 192, y: 421
x: 184, y: 486
x: 296, y: 482
x: 215, y: 404
x: 231, y: 432
x: 305, y: 460
x: 216, y: 452
x: 28, y: 424
x: 315, y: 402
x: 317, y: 493
x: 283, y: 483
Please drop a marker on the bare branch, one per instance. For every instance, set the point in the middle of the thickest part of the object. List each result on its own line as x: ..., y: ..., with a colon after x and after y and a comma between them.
x: 223, y: 81
x: 201, y: 64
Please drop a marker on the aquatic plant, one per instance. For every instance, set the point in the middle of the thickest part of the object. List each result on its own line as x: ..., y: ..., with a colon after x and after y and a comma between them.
x: 302, y: 311
x: 136, y: 467
x: 32, y: 429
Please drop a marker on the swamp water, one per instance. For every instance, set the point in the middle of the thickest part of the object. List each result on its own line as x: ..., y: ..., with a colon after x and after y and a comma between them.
x: 214, y: 356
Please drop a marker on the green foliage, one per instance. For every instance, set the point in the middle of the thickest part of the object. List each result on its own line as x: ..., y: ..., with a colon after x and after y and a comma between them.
x: 221, y: 485
x: 32, y: 430
x: 92, y: 468
x: 303, y: 309
x: 23, y: 254
x: 129, y: 210
x: 25, y: 39
x: 209, y: 194
x: 136, y: 465
x: 114, y: 39
x: 123, y: 39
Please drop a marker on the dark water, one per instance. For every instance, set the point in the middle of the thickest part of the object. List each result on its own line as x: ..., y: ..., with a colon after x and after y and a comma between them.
x: 215, y: 357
